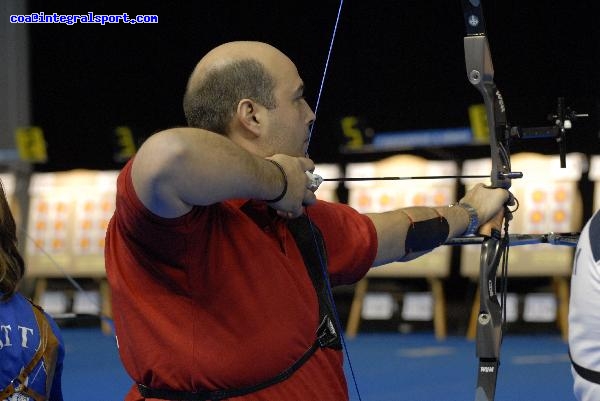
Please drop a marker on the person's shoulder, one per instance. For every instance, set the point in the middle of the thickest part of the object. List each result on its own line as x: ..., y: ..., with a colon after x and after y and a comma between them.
x: 18, y: 307
x: 170, y: 134
x: 594, y: 235
x: 327, y: 205
x: 322, y: 206
x: 334, y: 206
x: 47, y: 317
x: 12, y: 301
x: 330, y: 211
x: 595, y: 226
x: 17, y: 299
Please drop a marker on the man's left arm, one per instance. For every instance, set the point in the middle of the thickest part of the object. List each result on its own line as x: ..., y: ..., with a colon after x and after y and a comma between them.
x: 407, y: 233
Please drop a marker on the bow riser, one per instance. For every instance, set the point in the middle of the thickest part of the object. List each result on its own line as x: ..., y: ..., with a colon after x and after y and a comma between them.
x: 480, y: 73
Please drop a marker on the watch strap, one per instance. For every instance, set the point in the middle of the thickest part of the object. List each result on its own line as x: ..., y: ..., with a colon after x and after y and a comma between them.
x: 473, y: 218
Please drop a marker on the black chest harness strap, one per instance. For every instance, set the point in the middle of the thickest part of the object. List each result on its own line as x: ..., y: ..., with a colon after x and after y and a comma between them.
x: 310, y: 242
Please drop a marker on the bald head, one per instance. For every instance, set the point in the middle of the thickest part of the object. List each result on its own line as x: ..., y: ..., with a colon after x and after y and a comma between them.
x: 228, y: 53
x: 225, y: 75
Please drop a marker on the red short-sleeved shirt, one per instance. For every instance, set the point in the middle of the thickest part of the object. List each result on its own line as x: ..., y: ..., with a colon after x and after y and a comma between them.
x: 220, y: 298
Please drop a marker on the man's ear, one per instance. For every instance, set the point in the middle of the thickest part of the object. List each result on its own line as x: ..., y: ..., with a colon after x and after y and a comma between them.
x: 248, y: 114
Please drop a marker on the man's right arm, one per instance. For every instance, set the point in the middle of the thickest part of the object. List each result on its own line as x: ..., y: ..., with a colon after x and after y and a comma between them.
x: 182, y: 167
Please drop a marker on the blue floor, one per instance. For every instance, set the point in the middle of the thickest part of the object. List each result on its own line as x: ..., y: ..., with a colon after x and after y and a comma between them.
x: 388, y: 367
x: 395, y: 367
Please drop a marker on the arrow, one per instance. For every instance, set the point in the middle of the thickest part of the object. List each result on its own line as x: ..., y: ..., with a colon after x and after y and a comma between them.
x: 426, y: 177
x: 316, y: 180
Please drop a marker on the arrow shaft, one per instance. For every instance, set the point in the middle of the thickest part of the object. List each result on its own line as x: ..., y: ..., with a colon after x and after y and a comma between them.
x: 429, y: 177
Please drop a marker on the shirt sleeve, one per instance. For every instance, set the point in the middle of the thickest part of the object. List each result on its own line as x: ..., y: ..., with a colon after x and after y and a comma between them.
x: 350, y: 240
x: 148, y: 230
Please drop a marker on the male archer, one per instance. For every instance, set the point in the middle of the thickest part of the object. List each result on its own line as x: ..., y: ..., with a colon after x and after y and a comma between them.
x: 214, y: 296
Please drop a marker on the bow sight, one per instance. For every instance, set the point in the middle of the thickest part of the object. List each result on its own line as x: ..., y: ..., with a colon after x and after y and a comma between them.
x: 563, y: 120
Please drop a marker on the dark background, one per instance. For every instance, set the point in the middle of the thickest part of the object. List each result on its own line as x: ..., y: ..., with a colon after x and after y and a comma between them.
x: 397, y: 64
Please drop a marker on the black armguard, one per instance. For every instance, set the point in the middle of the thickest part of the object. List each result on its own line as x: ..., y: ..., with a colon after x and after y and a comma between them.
x: 427, y: 234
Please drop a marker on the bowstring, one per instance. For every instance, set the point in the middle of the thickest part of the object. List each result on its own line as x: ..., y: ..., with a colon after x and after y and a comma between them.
x: 504, y: 267
x: 321, y: 261
x: 102, y: 316
x: 508, y: 213
x: 325, y: 69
